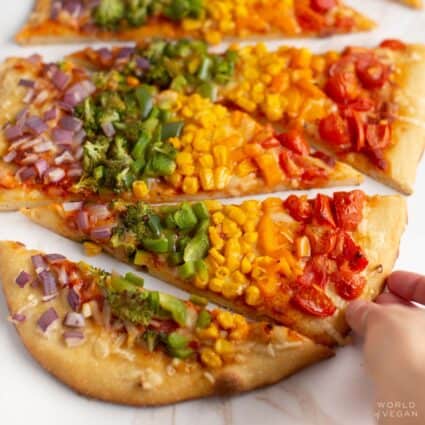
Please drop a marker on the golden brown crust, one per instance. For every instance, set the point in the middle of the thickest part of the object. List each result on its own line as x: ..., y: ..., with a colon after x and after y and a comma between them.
x: 41, y: 29
x: 115, y: 378
x: 380, y: 233
x: 408, y: 130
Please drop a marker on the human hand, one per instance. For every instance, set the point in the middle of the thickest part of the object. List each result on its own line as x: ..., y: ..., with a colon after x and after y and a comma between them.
x: 394, y: 348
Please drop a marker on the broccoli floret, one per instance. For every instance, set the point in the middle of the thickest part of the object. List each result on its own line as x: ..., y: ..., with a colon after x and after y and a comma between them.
x: 132, y: 306
x: 109, y: 13
x: 135, y: 214
x: 119, y: 150
x: 95, y: 152
x: 179, y: 9
x: 138, y: 11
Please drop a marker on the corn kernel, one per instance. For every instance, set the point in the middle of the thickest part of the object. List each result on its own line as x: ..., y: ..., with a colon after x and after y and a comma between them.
x: 218, y: 218
x: 221, y: 177
x: 236, y: 214
x: 91, y: 249
x: 140, y: 189
x: 206, y: 176
x: 209, y: 333
x: 258, y: 273
x: 245, y: 167
x: 200, y: 283
x: 215, y: 255
x: 175, y: 180
x: 201, y: 144
x: 210, y: 358
x: 215, y: 238
x: 187, y: 169
x: 302, y: 58
x: 221, y: 155
x: 284, y: 267
x: 230, y: 228
x: 191, y: 24
x: 213, y: 205
x: 223, y: 346
x: 216, y: 284
x: 190, y: 185
x: 303, y: 248
x: 226, y: 320
x: 213, y: 37
x: 238, y: 277
x: 184, y: 158
x: 252, y: 295
x: 246, y: 265
x: 232, y: 253
x: 251, y: 207
x: 222, y: 272
x: 206, y: 161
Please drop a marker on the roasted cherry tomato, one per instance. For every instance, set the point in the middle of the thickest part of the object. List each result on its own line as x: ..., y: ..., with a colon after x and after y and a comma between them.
x: 343, y: 87
x: 327, y: 159
x: 348, y: 285
x: 393, y: 44
x: 357, y: 130
x: 377, y: 158
x: 349, y: 209
x: 288, y: 164
x: 323, y: 210
x: 354, y: 256
x: 299, y: 208
x: 270, y: 142
x: 322, y: 6
x: 334, y: 130
x: 322, y: 239
x: 314, y: 301
x: 295, y: 141
x: 378, y: 136
x: 372, y: 73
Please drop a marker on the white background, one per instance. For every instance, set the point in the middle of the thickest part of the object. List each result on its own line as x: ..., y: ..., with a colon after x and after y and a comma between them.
x: 335, y: 392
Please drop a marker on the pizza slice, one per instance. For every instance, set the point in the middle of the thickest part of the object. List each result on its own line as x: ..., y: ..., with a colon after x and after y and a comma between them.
x: 107, y: 337
x: 57, y: 21
x: 362, y: 104
x: 68, y: 132
x: 297, y: 261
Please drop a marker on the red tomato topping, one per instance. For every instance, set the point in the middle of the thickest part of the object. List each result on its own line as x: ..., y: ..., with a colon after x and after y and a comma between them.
x: 342, y: 87
x: 357, y: 129
x: 298, y: 208
x: 323, y: 210
x: 327, y: 159
x: 372, y: 73
x: 334, y: 129
x: 353, y: 254
x: 322, y: 239
x: 288, y: 164
x: 322, y: 6
x: 348, y: 285
x: 295, y: 141
x: 312, y: 300
x: 378, y: 136
x: 270, y: 142
x: 393, y: 44
x: 349, y: 209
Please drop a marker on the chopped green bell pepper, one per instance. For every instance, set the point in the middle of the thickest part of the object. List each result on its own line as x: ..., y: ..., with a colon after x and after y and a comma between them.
x: 187, y: 270
x: 158, y: 245
x: 171, y: 129
x: 185, y: 218
x: 134, y: 279
x: 204, y: 319
x: 174, y: 306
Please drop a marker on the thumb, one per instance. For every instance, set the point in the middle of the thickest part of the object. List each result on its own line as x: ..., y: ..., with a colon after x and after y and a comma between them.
x: 357, y: 313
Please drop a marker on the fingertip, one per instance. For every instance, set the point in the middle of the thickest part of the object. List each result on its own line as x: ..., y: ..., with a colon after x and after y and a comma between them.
x: 356, y: 315
x: 389, y: 298
x: 408, y: 286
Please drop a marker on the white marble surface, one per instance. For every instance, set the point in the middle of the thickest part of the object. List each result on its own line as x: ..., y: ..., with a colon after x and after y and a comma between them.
x: 335, y: 392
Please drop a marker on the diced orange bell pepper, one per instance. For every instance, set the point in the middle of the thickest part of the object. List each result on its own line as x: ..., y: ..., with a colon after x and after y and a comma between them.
x: 268, y: 235
x: 270, y: 169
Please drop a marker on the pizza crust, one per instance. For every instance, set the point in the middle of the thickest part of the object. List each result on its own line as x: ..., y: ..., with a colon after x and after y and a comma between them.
x: 408, y: 131
x: 116, y: 378
x: 381, y: 230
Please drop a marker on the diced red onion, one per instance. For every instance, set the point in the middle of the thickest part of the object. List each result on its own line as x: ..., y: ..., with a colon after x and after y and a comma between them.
x: 63, y: 277
x: 55, y: 9
x: 18, y: 143
x: 29, y: 144
x: 50, y: 114
x: 70, y: 123
x: 48, y: 282
x: 26, y: 173
x: 124, y: 53
x: 73, y: 338
x: 72, y: 206
x: 26, y: 83
x: 60, y: 135
x: 79, y: 153
x: 38, y: 263
x: 73, y: 299
x: 55, y: 175
x: 79, y: 137
x: 35, y: 125
x: 64, y: 157
x: 9, y: 157
x: 101, y: 233
x: 30, y: 159
x: 108, y: 129
x: 50, y: 69
x: 65, y: 106
x: 21, y: 116
x: 75, y: 172
x: 23, y: 279
x: 41, y: 97
x: 54, y: 258
x: 74, y: 320
x: 83, y: 220
x: 29, y: 96
x: 73, y: 7
x: 45, y: 146
x: 100, y: 211
x: 41, y: 166
x: 35, y: 59
x: 105, y: 55
x: 142, y: 63
x: 47, y: 318
x: 78, y: 92
x: 60, y: 79
x: 12, y: 133
x: 18, y: 317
